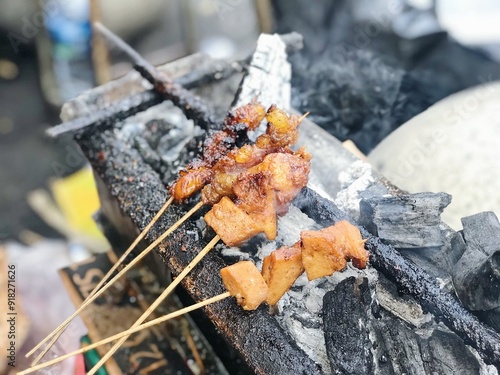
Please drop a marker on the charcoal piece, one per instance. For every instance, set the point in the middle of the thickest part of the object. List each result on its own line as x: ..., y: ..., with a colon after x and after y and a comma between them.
x: 477, y: 274
x: 410, y: 279
x: 360, y: 343
x: 405, y: 221
x: 457, y: 248
x: 268, y: 75
x: 490, y: 317
x: 402, y: 350
x: 361, y: 80
x: 346, y: 335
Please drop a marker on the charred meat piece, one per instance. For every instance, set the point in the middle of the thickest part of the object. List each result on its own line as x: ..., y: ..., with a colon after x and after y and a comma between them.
x: 189, y: 182
x: 227, y: 161
x: 244, y: 281
x: 226, y: 170
x: 282, y: 129
x: 261, y: 192
x: 231, y: 223
x: 280, y: 270
x: 255, y: 196
x: 251, y: 115
x: 289, y: 173
x: 218, y: 145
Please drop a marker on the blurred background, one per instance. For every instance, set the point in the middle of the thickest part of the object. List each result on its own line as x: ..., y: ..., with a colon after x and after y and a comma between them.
x: 367, y: 67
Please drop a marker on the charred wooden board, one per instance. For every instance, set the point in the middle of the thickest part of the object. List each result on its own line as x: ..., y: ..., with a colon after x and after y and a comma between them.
x: 115, y: 312
x: 139, y: 193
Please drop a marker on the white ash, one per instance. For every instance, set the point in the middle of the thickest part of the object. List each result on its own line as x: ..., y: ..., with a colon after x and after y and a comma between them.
x: 268, y: 76
x: 356, y: 179
x: 194, y: 233
x: 129, y: 130
x: 407, y: 310
x: 289, y: 228
x: 172, y: 143
x: 234, y: 252
x: 201, y: 224
x: 316, y: 185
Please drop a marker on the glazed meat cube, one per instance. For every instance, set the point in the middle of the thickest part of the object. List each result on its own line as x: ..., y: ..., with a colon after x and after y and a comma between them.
x: 231, y: 223
x: 244, y: 281
x: 321, y: 253
x: 280, y: 270
x: 351, y: 243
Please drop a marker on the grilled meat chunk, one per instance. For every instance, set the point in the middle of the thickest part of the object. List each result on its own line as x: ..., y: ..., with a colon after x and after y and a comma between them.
x: 280, y: 270
x: 231, y: 223
x: 244, y: 281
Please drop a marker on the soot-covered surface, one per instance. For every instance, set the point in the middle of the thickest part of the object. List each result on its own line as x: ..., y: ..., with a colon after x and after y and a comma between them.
x: 256, y: 335
x: 360, y: 77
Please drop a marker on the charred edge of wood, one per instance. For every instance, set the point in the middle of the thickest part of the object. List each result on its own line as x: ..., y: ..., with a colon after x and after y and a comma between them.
x: 192, y: 105
x: 110, y: 115
x: 131, y: 105
x: 215, y: 71
x: 264, y: 345
x: 410, y: 279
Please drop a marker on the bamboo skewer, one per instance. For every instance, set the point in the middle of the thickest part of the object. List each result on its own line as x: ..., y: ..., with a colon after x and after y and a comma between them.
x: 159, y: 300
x: 118, y: 42
x: 193, y: 107
x: 60, y: 331
x: 89, y: 300
x: 127, y: 332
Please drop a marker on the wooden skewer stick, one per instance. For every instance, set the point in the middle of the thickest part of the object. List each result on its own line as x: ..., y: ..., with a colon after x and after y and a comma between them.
x: 89, y: 300
x: 101, y: 283
x: 159, y: 300
x: 151, y: 323
x: 115, y: 39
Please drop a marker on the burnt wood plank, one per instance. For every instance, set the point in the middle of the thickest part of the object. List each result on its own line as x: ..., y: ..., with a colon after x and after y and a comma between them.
x: 139, y: 193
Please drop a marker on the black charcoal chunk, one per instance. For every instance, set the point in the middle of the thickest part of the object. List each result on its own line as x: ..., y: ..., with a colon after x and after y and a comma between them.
x: 359, y: 342
x: 346, y: 335
x: 490, y: 317
x: 476, y: 275
x: 360, y: 75
x: 401, y: 350
x: 406, y: 221
x: 457, y: 247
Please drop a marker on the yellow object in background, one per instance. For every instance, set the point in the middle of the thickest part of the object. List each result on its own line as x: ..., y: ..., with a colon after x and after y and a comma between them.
x: 77, y: 198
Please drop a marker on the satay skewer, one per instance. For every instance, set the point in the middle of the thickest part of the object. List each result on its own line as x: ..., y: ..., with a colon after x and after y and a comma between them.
x: 244, y: 281
x: 158, y: 301
x: 275, y: 113
x: 128, y: 332
x: 98, y: 293
x: 105, y: 278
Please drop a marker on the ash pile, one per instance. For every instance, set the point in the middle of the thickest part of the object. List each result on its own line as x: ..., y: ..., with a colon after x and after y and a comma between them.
x: 401, y: 315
